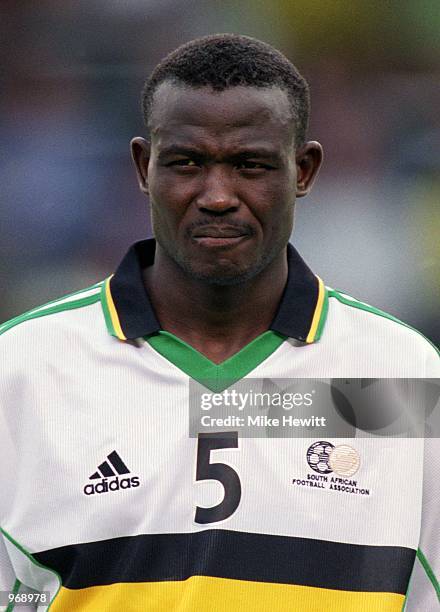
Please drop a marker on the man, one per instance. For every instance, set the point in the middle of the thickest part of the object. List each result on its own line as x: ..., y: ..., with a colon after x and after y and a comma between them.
x: 107, y: 504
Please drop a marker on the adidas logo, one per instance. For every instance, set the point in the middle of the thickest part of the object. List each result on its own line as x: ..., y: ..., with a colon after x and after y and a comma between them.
x: 114, y: 466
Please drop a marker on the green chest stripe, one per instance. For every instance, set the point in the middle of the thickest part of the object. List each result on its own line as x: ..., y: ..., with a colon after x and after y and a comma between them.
x: 202, y: 369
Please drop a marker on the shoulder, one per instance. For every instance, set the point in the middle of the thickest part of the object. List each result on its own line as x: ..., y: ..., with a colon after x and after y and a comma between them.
x: 378, y: 333
x: 51, y: 323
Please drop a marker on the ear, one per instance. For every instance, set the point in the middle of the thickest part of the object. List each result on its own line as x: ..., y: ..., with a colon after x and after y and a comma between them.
x: 308, y: 161
x: 140, y: 153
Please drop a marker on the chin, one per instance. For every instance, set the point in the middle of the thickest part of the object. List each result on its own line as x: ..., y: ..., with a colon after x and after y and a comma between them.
x: 223, y: 276
x: 219, y: 270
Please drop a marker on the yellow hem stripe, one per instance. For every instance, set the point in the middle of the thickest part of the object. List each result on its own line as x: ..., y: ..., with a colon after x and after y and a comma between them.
x: 203, y: 593
x: 318, y: 311
x: 113, y: 313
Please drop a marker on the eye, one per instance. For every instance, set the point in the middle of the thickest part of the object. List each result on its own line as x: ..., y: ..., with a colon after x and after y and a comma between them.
x: 250, y: 165
x: 185, y: 162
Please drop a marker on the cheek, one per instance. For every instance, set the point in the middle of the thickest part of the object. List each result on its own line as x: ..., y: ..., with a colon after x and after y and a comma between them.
x: 167, y: 191
x: 278, y: 215
x: 164, y: 197
x: 275, y: 203
x: 168, y: 205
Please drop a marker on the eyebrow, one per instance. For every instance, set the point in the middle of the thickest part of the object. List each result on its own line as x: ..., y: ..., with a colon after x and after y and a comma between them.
x: 179, y: 150
x: 244, y: 153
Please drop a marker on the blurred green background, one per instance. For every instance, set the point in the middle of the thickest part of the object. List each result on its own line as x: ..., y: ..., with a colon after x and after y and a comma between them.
x: 71, y: 77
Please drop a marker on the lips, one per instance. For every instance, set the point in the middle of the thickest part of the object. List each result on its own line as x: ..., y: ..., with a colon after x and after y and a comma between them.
x: 219, y: 236
x: 219, y: 231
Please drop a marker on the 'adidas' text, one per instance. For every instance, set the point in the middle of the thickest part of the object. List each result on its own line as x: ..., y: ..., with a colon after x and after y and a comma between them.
x: 105, y: 485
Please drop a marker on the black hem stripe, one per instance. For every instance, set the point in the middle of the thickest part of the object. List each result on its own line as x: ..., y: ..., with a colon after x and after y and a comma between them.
x: 236, y: 555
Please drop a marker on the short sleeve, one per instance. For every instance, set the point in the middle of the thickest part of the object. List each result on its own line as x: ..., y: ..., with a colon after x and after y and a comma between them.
x: 424, y: 588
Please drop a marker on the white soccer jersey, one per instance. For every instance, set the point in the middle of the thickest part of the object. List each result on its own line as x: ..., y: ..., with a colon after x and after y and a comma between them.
x: 108, y: 504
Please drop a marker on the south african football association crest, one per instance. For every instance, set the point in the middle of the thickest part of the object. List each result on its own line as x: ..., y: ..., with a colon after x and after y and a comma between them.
x: 333, y: 467
x: 324, y: 457
x: 318, y: 456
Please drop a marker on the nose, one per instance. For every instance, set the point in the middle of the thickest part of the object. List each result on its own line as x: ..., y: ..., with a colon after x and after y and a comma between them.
x: 218, y: 192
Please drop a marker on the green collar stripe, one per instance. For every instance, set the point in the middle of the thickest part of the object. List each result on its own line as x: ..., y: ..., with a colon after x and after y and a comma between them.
x: 201, y: 369
x: 323, y: 317
x: 105, y: 309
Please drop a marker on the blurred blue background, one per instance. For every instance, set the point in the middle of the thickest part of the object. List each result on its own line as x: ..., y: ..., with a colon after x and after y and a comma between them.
x: 71, y: 79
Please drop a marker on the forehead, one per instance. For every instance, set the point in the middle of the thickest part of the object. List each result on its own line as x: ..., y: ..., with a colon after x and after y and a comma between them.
x: 237, y: 112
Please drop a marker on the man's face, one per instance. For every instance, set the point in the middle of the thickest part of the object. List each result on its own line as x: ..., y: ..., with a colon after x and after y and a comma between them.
x: 222, y: 178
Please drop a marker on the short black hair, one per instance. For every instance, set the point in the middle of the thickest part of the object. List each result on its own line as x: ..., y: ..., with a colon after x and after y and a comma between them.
x: 227, y: 60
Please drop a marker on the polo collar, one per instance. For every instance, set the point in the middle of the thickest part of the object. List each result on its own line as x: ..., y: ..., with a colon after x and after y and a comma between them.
x: 129, y: 313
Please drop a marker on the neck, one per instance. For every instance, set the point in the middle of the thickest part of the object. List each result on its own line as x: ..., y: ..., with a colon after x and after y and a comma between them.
x: 216, y: 320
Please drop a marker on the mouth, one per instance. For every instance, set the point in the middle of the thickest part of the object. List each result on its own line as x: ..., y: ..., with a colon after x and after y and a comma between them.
x: 219, y: 236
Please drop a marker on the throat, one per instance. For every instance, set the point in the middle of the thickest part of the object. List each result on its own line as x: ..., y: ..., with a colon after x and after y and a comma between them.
x: 213, y: 330
x: 216, y: 321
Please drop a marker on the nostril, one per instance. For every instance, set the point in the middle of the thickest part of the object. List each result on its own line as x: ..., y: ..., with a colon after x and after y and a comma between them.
x: 217, y: 211
x: 217, y: 203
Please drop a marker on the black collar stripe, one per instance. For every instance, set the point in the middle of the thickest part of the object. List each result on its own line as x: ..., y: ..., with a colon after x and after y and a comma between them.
x: 130, y: 297
x: 129, y: 312
x: 299, y: 302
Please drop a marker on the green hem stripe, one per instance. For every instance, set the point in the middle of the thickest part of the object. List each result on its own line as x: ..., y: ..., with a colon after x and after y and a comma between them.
x: 14, y: 591
x: 367, y: 308
x: 34, y: 561
x: 91, y: 299
x: 429, y: 572
x: 214, y: 376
